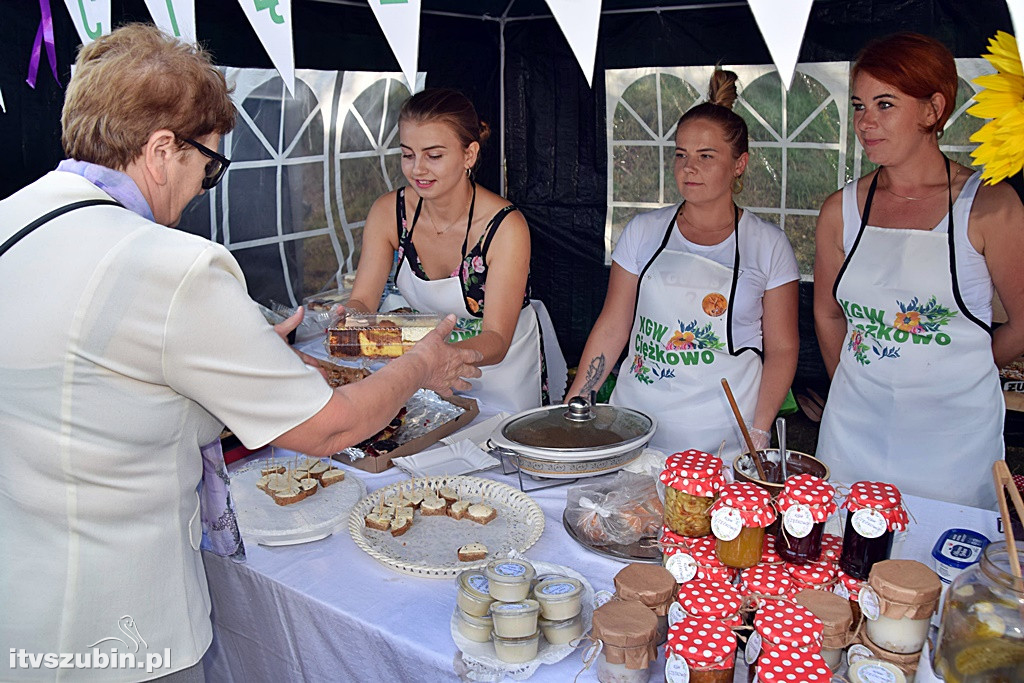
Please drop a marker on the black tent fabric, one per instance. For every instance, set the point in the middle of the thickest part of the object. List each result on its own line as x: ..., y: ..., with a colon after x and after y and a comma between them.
x: 556, y: 168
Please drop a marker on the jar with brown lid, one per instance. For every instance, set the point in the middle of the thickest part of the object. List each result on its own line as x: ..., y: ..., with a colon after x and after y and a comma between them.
x: 836, y: 619
x: 692, y: 481
x: 898, y: 603
x: 700, y: 651
x: 626, y: 629
x: 651, y: 585
x: 738, y: 519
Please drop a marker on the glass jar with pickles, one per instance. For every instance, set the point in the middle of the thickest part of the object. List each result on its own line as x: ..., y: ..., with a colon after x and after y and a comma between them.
x: 738, y: 520
x: 981, y: 636
x: 805, y: 503
x: 692, y: 479
x: 875, y: 512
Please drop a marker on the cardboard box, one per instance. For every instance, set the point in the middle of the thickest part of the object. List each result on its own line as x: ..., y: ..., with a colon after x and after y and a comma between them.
x: 377, y: 464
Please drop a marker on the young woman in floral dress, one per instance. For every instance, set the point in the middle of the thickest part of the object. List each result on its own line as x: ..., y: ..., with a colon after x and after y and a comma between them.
x: 456, y: 242
x: 906, y: 259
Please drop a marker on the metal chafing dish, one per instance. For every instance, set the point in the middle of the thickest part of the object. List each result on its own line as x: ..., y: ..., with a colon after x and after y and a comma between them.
x: 574, y: 440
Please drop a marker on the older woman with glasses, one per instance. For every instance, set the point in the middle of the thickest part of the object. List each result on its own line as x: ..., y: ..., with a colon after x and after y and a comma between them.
x: 135, y: 345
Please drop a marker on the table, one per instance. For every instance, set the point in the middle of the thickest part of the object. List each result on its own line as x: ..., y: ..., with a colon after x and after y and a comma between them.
x: 327, y: 611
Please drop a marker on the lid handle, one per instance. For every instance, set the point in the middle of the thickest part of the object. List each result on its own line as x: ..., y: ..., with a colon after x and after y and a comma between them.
x: 579, y: 410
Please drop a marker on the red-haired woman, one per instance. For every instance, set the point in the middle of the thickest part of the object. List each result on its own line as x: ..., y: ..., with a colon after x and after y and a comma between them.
x: 906, y: 259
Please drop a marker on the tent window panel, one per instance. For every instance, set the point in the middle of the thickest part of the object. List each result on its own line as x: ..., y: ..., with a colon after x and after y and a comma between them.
x: 762, y: 181
x: 642, y: 98
x: 319, y: 264
x: 620, y: 216
x: 810, y: 114
x: 246, y: 146
x: 627, y: 127
x: 252, y: 198
x: 302, y: 197
x: 800, y: 230
x: 361, y: 183
x: 676, y: 97
x: 764, y: 96
x: 671, y: 191
x: 635, y: 170
x: 265, y: 277
x: 811, y: 177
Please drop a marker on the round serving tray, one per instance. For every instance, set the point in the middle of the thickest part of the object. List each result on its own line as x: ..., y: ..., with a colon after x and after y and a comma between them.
x: 262, y: 520
x: 430, y: 547
x: 633, y: 552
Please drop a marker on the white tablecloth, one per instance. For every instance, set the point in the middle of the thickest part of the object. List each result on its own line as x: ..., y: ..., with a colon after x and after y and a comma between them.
x: 327, y: 611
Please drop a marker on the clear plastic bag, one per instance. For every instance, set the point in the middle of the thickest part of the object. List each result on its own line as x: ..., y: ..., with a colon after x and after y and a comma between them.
x: 615, y: 511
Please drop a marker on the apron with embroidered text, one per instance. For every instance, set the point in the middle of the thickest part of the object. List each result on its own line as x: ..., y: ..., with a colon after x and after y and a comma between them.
x: 916, y: 399
x: 680, y: 348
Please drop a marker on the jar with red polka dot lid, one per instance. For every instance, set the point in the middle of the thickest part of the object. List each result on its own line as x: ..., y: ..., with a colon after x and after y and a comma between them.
x: 785, y: 626
x: 700, y: 651
x: 693, y: 558
x: 792, y: 666
x: 765, y: 581
x: 817, y: 575
x: 831, y: 547
x: 769, y: 555
x: 738, y: 519
x: 805, y: 503
x: 875, y: 512
x: 705, y: 599
x: 692, y: 480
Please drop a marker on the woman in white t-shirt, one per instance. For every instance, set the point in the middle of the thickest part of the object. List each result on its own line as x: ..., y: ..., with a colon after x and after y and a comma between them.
x: 700, y: 291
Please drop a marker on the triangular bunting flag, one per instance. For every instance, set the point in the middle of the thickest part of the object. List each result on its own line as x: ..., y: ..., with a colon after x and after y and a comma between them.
x: 783, y: 31
x: 400, y: 21
x: 91, y: 19
x: 579, y: 21
x: 1017, y: 17
x: 175, y: 17
x: 272, y: 21
x: 3, y: 107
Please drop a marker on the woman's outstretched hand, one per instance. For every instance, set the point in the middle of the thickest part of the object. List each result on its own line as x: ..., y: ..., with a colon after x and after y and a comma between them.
x: 447, y: 366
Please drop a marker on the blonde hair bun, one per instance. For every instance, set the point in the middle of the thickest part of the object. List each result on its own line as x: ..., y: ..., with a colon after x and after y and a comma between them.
x: 722, y: 89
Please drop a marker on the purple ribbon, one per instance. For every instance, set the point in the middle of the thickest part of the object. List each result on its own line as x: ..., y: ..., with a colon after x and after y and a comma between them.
x: 44, y: 33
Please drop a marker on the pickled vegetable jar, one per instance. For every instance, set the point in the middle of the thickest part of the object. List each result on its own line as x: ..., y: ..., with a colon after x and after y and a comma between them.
x: 692, y: 480
x: 738, y: 519
x: 700, y: 651
x: 981, y: 636
x: 805, y: 503
x: 875, y: 512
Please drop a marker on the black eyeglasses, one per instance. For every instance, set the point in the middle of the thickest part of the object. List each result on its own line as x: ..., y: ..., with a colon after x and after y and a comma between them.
x: 215, y: 167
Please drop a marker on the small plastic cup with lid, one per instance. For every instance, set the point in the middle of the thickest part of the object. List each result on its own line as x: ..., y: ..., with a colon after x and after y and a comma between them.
x: 738, y: 519
x: 692, y: 479
x: 477, y: 629
x: 898, y: 603
x: 787, y: 665
x: 836, y: 618
x: 875, y: 513
x: 473, y: 597
x: 625, y: 630
x: 652, y: 585
x: 515, y: 619
x: 711, y: 600
x: 559, y: 597
x: 516, y: 650
x: 561, y: 632
x: 700, y: 651
x: 805, y: 503
x: 509, y: 580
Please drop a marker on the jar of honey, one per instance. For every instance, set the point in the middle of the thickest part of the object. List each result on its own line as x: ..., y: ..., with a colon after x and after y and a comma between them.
x: 875, y: 513
x: 805, y: 503
x: 692, y: 480
x: 700, y: 651
x: 738, y: 519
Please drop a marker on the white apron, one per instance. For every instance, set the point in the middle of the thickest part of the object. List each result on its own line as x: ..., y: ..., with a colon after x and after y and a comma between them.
x: 681, y: 347
x: 514, y: 384
x: 916, y: 399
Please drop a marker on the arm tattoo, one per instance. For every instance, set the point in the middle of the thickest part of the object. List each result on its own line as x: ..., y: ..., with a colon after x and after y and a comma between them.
x: 595, y: 371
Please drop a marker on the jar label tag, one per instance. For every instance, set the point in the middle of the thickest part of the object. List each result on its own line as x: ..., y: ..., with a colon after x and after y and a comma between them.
x: 841, y: 590
x: 798, y: 521
x: 591, y: 653
x: 727, y: 476
x: 682, y: 567
x: 676, y: 669
x: 868, y: 600
x: 726, y: 523
x: 856, y: 653
x: 675, y: 614
x: 601, y: 597
x: 869, y: 523
x: 875, y: 673
x: 753, y: 648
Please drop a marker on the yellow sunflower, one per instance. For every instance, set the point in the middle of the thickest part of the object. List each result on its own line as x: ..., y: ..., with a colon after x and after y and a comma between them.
x: 1001, y: 140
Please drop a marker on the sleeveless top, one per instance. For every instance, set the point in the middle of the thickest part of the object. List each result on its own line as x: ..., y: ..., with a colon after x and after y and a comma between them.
x: 472, y: 272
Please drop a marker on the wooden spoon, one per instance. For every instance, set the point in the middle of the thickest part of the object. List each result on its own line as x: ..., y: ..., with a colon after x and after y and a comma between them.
x: 755, y: 455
